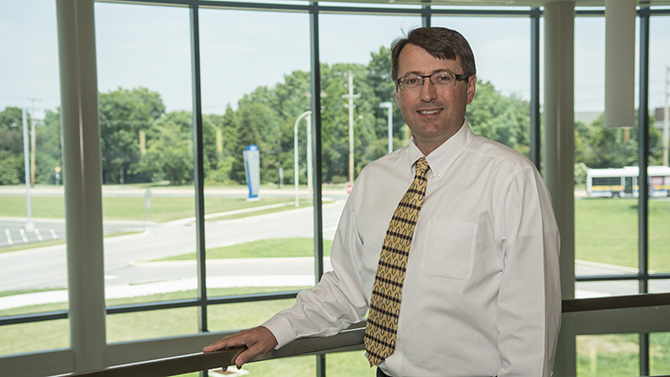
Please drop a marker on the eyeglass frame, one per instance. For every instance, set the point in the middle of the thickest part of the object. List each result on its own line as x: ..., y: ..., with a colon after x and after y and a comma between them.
x: 457, y: 76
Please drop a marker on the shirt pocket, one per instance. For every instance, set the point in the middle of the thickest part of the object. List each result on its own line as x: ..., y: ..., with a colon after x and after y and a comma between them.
x: 449, y: 249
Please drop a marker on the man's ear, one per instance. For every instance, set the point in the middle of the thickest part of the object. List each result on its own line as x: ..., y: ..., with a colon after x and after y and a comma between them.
x: 472, y: 84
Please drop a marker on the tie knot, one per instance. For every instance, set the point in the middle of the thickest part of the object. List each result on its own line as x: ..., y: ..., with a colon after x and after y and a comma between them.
x: 422, y: 166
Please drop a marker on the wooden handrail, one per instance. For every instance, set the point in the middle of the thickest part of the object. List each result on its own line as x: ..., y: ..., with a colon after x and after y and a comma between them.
x: 348, y: 340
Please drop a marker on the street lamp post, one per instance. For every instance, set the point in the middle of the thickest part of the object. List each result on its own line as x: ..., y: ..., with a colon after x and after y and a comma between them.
x: 29, y: 222
x: 389, y: 106
x: 309, y: 153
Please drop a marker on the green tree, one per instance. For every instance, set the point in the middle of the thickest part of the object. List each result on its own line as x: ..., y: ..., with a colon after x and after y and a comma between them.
x: 123, y: 114
x: 250, y: 117
x: 49, y: 149
x: 601, y: 147
x: 11, y: 146
x: 169, y: 149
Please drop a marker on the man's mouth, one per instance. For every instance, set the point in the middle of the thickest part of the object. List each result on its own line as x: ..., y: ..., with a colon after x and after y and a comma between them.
x: 429, y: 112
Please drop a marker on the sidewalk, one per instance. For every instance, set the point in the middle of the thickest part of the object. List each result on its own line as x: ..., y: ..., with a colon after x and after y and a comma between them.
x: 306, y: 280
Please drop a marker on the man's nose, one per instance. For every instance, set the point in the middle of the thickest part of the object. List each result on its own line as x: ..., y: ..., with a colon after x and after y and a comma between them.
x: 428, y: 90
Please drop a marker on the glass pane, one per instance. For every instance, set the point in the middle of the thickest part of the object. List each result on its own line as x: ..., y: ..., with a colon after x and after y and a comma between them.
x: 659, y: 182
x: 37, y: 336
x: 32, y: 229
x: 304, y: 366
x: 147, y: 152
x: 659, y: 349
x: 608, y: 355
x: 606, y: 241
x: 501, y: 108
x: 247, y: 314
x: 659, y: 286
x: 356, y: 131
x: 151, y: 324
x: 360, y: 118
x: 346, y: 364
x: 258, y: 239
x: 586, y: 289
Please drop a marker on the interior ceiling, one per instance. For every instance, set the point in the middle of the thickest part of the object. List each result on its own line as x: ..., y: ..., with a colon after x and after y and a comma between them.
x: 498, y: 3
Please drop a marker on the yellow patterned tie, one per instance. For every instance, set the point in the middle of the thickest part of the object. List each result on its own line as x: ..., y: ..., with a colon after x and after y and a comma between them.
x: 381, y: 330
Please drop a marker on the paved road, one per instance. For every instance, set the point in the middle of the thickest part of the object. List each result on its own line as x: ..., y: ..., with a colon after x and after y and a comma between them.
x: 17, y: 232
x: 46, y: 267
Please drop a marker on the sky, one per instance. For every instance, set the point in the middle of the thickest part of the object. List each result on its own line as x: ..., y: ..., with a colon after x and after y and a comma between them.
x: 149, y: 46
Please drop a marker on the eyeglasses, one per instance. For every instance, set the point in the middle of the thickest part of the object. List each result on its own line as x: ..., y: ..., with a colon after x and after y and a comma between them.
x: 439, y: 79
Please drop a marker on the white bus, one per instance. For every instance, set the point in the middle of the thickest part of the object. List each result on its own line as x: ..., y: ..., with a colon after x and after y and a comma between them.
x: 623, y: 182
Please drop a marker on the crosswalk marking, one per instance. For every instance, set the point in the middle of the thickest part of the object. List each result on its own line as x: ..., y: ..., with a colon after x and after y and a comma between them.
x: 53, y: 233
x: 23, y: 235
x: 39, y: 236
x: 9, y: 237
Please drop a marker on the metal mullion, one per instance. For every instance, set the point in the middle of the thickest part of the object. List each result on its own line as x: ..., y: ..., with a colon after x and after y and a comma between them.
x: 30, y: 318
x: 252, y: 6
x: 252, y: 298
x: 608, y: 277
x: 425, y: 16
x: 149, y: 306
x: 315, y: 78
x: 366, y: 11
x: 535, y: 136
x: 475, y: 12
x: 643, y: 162
x: 198, y: 177
x: 643, y: 150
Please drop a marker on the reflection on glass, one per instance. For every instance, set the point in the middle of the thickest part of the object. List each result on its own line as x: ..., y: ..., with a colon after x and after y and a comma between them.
x: 32, y: 232
x: 607, y: 355
x: 659, y: 74
x: 30, y: 337
x: 151, y: 324
x: 147, y: 149
x: 606, y: 232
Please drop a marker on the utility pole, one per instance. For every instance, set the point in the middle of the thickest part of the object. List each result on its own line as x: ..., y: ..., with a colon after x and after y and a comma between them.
x: 666, y: 116
x: 29, y: 223
x: 351, y: 106
x: 33, y: 138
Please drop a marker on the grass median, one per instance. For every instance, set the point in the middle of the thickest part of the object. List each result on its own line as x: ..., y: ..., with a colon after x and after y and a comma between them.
x: 162, y: 209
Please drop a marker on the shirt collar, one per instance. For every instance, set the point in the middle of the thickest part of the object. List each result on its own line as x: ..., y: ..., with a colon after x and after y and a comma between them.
x: 441, y: 158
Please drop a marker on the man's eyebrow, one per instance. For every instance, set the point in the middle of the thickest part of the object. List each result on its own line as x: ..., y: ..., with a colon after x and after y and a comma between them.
x: 430, y: 74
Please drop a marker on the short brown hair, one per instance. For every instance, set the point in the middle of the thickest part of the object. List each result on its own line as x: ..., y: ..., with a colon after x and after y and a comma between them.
x: 441, y: 43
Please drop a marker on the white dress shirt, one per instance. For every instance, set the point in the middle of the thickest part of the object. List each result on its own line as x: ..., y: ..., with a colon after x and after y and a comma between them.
x: 481, y: 294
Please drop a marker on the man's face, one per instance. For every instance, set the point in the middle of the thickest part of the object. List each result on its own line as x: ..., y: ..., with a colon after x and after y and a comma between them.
x: 433, y: 114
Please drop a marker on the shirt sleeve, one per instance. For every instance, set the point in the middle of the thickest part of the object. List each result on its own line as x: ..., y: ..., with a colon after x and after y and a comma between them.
x: 529, y: 299
x: 337, y: 300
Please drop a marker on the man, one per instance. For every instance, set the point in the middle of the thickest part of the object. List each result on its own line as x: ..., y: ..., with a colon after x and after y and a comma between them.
x: 476, y: 290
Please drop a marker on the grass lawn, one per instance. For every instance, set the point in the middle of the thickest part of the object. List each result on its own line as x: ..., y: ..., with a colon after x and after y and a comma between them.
x: 132, y: 208
x: 269, y: 248
x: 606, y: 232
x: 618, y: 355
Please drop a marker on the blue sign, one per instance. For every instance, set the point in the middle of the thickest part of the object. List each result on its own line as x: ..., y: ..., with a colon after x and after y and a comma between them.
x: 253, y: 171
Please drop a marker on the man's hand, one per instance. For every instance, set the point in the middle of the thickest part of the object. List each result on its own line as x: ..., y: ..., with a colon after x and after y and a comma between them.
x: 258, y: 340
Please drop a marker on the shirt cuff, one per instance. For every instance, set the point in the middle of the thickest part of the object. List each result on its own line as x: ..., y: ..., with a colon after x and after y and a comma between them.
x: 281, y: 329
